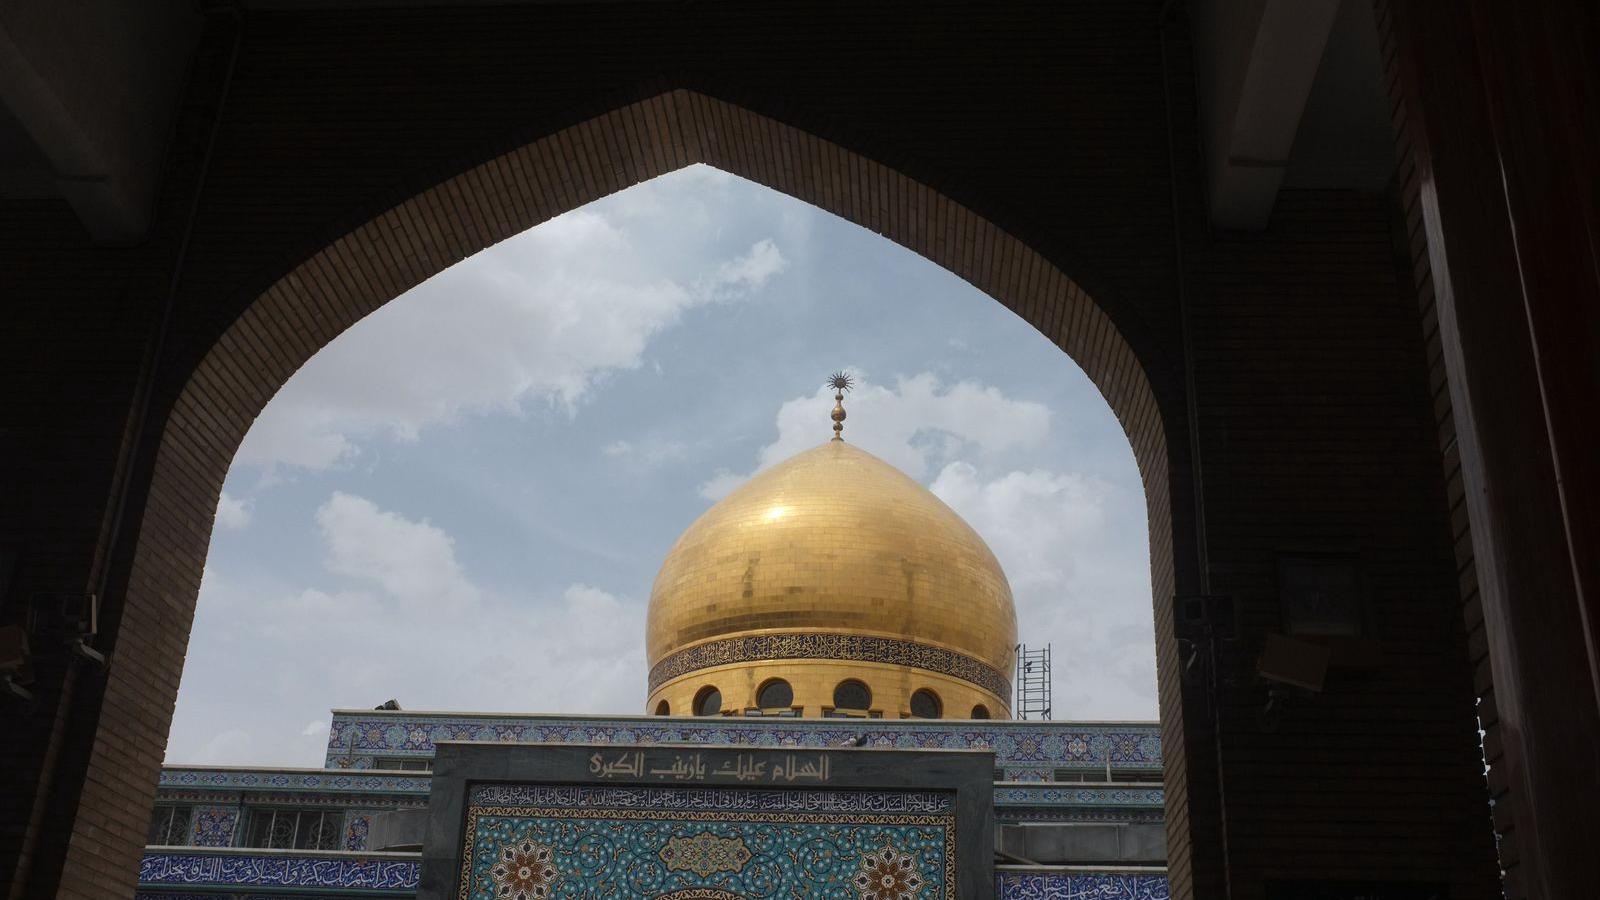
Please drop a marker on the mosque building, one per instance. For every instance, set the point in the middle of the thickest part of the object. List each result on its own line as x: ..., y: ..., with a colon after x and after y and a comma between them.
x: 830, y: 605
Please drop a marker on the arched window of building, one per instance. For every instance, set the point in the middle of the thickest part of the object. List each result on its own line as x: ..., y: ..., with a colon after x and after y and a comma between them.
x: 663, y: 709
x: 708, y: 702
x: 980, y: 711
x: 852, y: 695
x: 775, y: 694
x: 925, y: 705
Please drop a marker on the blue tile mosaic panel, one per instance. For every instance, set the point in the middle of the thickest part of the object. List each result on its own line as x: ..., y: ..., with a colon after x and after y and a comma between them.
x: 273, y: 870
x: 538, y: 842
x: 1075, y: 886
x: 213, y: 826
x: 357, y: 826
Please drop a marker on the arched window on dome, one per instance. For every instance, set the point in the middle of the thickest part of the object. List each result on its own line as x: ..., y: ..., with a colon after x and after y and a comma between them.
x: 708, y: 702
x: 852, y: 696
x: 663, y: 709
x: 775, y: 694
x: 980, y: 711
x: 925, y: 705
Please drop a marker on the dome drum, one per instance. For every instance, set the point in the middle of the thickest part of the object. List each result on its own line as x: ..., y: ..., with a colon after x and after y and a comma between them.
x: 814, y: 690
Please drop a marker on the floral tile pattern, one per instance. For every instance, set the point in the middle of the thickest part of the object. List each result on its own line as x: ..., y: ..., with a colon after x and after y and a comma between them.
x: 355, y: 831
x: 213, y: 826
x: 525, y: 871
x: 709, y: 843
x: 705, y: 854
x: 889, y: 874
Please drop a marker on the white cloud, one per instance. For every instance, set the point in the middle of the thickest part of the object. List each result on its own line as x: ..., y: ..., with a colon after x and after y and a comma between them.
x: 648, y: 453
x: 753, y: 269
x: 1032, y: 516
x: 233, y: 514
x: 357, y: 602
x: 720, y: 484
x: 1080, y: 573
x: 234, y: 743
x: 413, y: 562
x: 914, y: 425
x: 542, y: 319
x: 418, y: 629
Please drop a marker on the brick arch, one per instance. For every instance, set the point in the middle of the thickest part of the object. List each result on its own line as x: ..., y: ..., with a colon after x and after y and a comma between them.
x: 383, y: 257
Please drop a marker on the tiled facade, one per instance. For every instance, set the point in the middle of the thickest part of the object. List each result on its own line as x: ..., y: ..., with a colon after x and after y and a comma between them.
x: 688, y: 840
x: 1025, y: 751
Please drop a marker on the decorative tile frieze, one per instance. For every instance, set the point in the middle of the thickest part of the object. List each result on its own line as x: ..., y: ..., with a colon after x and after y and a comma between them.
x: 295, y: 780
x: 876, y: 802
x: 1078, y: 814
x: 840, y: 647
x: 1078, y: 795
x: 1026, y: 751
x: 1080, y: 886
x: 266, y: 869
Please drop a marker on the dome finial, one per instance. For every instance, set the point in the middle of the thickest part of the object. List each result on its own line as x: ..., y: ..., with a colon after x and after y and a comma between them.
x: 840, y: 382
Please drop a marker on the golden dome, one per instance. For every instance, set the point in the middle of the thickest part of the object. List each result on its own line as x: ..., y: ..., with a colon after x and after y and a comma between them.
x: 830, y: 563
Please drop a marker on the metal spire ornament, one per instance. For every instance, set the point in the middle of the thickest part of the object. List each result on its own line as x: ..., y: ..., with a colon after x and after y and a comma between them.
x: 840, y: 382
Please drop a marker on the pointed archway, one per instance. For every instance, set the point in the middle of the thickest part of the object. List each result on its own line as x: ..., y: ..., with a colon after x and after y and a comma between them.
x: 340, y: 281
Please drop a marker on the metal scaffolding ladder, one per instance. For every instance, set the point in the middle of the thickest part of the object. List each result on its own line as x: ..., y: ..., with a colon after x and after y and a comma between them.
x: 1033, y: 682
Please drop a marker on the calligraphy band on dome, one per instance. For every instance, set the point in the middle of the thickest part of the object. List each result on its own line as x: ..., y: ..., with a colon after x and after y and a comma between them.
x: 828, y: 646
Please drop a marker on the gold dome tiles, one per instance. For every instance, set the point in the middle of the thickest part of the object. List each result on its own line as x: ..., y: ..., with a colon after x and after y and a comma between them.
x: 833, y: 543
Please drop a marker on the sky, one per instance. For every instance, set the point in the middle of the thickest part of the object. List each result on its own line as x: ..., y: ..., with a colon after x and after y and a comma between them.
x: 461, y: 502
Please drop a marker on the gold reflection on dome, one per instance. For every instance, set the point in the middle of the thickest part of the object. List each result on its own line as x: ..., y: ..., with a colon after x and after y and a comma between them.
x: 834, y: 541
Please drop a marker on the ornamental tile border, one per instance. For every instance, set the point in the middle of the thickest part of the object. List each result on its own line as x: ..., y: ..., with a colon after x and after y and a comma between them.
x: 1079, y: 886
x: 873, y: 802
x: 271, y: 895
x: 1058, y: 814
x: 1076, y: 795
x: 1040, y: 794
x: 1043, y: 796
x: 307, y: 780
x: 818, y: 645
x: 277, y: 871
x: 1023, y: 749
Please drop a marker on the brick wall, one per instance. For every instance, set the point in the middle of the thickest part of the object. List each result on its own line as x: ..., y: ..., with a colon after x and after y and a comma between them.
x: 1412, y: 243
x: 1318, y: 437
